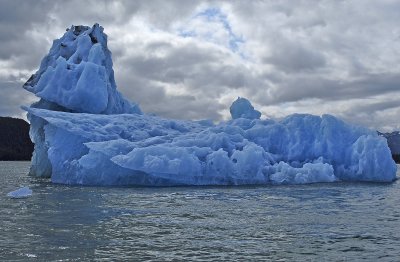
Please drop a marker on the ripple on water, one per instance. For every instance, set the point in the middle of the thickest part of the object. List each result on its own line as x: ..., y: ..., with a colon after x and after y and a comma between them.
x: 343, y: 221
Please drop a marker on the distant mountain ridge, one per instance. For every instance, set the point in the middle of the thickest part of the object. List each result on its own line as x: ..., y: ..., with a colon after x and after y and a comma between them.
x: 15, y: 143
x: 393, y: 140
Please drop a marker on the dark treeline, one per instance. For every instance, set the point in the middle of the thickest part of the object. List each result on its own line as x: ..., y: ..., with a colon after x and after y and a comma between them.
x: 15, y: 143
x: 396, y: 158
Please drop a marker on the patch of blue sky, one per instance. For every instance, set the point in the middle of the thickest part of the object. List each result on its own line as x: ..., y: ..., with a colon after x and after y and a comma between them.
x: 186, y: 33
x: 214, y: 14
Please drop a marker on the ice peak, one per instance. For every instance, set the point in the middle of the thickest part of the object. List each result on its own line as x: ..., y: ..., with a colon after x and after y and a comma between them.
x: 77, y: 74
x: 96, y: 33
x: 242, y: 108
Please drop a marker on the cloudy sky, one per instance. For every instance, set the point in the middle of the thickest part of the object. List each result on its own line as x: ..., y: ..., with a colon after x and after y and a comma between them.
x: 191, y: 59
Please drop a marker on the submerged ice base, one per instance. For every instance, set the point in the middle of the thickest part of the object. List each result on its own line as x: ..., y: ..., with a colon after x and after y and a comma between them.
x: 86, y: 133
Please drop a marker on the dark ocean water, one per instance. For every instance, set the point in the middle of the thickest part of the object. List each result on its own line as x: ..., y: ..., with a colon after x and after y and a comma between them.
x: 319, y: 222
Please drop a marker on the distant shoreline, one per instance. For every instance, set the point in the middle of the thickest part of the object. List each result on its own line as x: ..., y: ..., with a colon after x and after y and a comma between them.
x: 15, y: 144
x: 15, y: 160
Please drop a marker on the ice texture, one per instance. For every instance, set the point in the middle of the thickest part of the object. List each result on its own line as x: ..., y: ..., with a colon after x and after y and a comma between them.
x: 22, y: 192
x: 119, y: 145
x: 133, y: 149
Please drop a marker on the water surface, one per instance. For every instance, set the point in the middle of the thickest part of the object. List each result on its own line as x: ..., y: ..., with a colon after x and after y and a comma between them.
x: 336, y: 222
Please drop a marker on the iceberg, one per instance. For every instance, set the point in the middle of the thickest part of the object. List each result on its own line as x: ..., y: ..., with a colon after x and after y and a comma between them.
x: 86, y: 133
x: 22, y: 192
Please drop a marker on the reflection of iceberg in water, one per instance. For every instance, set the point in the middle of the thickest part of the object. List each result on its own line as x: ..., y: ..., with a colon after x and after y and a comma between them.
x: 85, y: 132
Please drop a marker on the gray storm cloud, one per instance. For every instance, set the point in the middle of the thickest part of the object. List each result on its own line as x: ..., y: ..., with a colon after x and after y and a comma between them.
x: 190, y: 60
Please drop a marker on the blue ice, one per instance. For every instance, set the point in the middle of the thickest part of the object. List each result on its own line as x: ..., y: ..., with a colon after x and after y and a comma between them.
x: 22, y: 192
x: 86, y: 133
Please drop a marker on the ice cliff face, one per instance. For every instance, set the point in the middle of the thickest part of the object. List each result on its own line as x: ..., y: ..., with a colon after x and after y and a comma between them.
x: 77, y: 141
x: 76, y: 76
